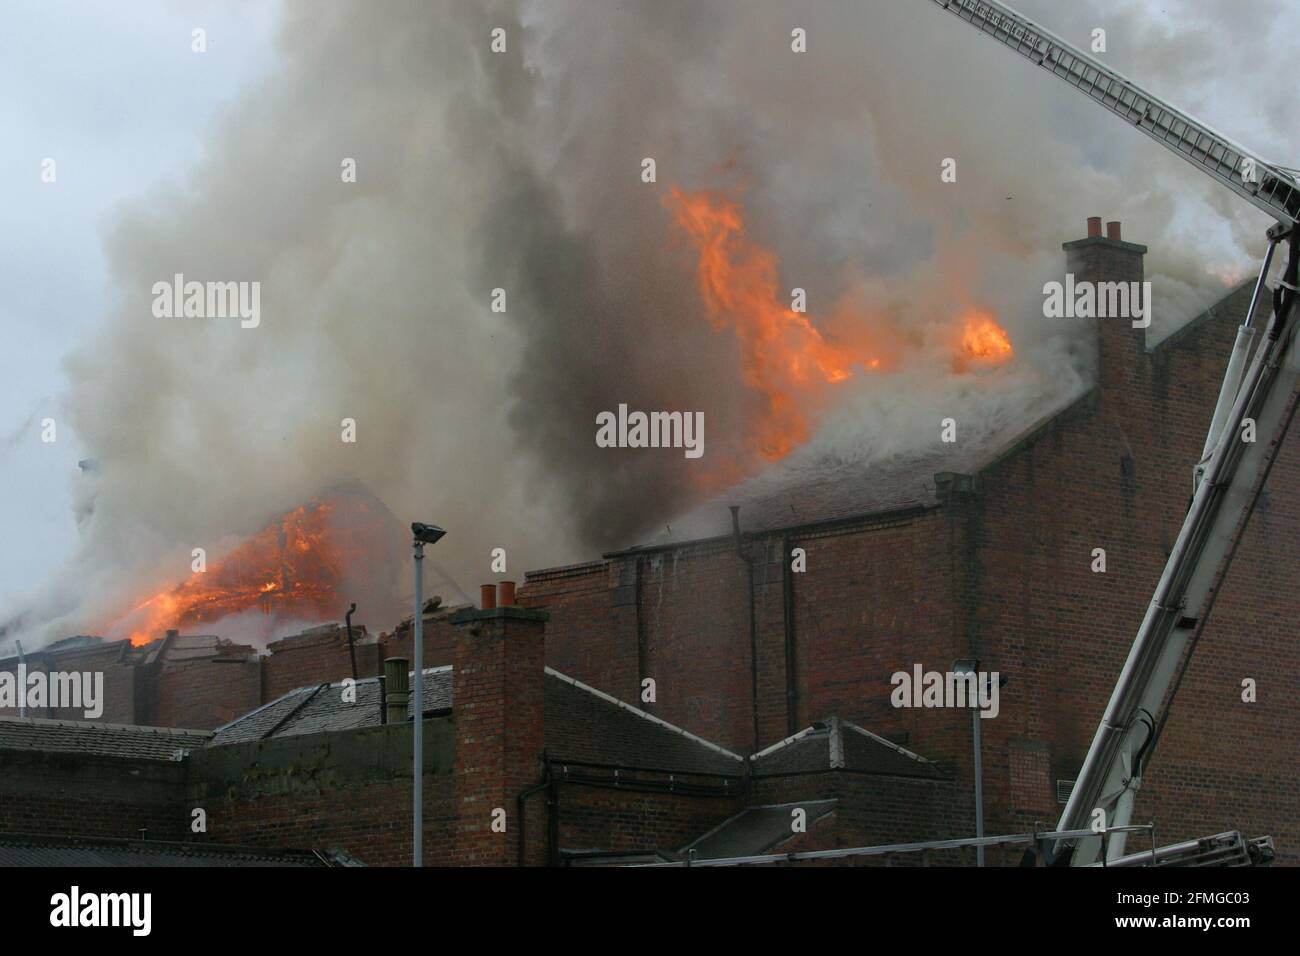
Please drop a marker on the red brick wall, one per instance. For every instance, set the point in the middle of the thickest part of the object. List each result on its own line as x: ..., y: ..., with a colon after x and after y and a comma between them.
x: 497, y: 693
x: 624, y: 818
x: 349, y: 790
x: 315, y: 658
x: 204, y: 694
x: 594, y: 606
x: 111, y: 660
x: 1005, y: 576
x: 69, y: 794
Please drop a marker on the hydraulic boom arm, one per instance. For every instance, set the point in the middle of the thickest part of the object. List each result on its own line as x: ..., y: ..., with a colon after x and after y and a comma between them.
x: 1262, y: 390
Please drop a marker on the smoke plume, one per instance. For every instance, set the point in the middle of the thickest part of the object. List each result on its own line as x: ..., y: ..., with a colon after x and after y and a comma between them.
x: 522, y: 171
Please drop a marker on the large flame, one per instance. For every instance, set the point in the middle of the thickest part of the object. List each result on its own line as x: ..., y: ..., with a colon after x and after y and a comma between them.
x: 982, y: 341
x: 293, y: 569
x: 784, y: 356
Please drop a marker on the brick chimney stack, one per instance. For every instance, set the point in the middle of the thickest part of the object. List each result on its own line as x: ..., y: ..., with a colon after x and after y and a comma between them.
x: 1107, y: 259
x: 497, y: 695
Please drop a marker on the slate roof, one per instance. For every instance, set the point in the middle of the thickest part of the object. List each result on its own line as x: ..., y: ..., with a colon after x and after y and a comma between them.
x: 756, y: 830
x: 836, y: 744
x: 65, y: 851
x: 808, y: 488
x: 92, y: 737
x: 321, y: 707
x: 583, y: 725
x: 587, y: 726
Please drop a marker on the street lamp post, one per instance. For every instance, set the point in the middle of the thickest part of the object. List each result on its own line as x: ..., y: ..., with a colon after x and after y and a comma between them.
x: 972, y: 666
x: 423, y: 534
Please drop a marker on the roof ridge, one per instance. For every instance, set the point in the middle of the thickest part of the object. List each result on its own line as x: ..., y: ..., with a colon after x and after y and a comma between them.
x: 1211, y: 311
x: 551, y: 671
x: 811, y: 728
x: 881, y: 740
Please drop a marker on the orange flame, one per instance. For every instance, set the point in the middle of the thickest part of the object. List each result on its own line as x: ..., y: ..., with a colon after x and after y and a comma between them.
x: 293, y: 567
x: 982, y: 341
x: 785, y: 358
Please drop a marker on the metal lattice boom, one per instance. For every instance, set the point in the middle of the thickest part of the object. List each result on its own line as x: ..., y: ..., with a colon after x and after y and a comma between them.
x: 1265, y: 185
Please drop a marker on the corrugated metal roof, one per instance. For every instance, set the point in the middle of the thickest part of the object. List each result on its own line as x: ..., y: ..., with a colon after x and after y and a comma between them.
x: 90, y: 737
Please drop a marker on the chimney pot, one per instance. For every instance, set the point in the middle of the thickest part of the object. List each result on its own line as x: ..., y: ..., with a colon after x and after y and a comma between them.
x: 506, y: 594
x: 397, y: 689
x: 1112, y: 230
x: 487, y: 596
x: 1094, y: 227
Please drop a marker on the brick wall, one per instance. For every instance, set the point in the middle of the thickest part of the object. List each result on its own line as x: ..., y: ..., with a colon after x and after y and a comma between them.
x: 497, y: 711
x: 639, y: 813
x: 113, y: 661
x: 317, y: 656
x: 80, y: 795
x: 1002, y: 573
x: 203, y: 694
x: 348, y: 789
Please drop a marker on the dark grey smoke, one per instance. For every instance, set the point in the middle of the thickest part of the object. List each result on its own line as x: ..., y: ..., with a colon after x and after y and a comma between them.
x: 521, y: 171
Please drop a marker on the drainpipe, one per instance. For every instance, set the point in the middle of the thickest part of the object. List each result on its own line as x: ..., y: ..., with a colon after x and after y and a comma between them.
x: 791, y: 644
x: 22, y: 690
x: 553, y: 819
x: 753, y: 624
x: 521, y: 814
x: 352, y: 650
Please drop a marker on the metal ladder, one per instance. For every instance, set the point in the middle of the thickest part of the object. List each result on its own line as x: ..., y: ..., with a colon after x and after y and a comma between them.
x: 1266, y: 186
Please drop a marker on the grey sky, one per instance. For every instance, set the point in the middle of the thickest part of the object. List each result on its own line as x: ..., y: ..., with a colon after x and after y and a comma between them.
x: 114, y: 94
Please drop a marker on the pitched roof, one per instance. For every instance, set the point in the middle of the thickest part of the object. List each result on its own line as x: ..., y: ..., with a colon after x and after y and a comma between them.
x: 36, y: 850
x: 583, y: 725
x: 321, y: 707
x: 587, y: 726
x: 756, y: 830
x: 92, y: 737
x: 809, y: 489
x: 837, y: 744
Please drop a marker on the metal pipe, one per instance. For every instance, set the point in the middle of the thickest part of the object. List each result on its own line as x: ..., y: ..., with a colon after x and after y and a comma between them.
x: 979, y: 786
x: 791, y: 640
x: 1236, y: 365
x: 352, y: 651
x: 1259, y: 283
x: 923, y: 847
x: 753, y: 623
x: 417, y: 808
x: 22, y: 690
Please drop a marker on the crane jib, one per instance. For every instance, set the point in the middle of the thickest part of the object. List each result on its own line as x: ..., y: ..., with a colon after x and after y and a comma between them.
x: 1262, y: 184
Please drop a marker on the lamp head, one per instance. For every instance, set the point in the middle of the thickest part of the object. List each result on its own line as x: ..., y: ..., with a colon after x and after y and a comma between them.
x: 426, y: 533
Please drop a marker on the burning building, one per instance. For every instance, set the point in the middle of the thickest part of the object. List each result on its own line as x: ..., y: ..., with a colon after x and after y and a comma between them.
x: 686, y: 692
